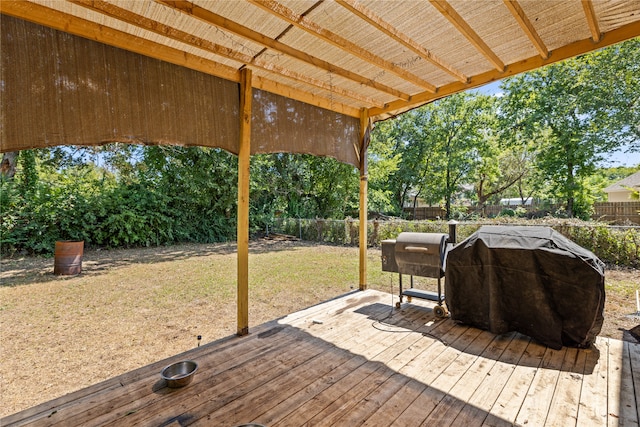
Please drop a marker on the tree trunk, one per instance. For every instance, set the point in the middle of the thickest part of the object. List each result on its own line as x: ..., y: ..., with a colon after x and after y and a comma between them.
x: 570, y: 190
x: 8, y: 165
x: 447, y: 202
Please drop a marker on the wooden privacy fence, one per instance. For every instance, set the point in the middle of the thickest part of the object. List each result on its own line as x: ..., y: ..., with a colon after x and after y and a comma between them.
x: 618, y: 212
x: 615, y: 212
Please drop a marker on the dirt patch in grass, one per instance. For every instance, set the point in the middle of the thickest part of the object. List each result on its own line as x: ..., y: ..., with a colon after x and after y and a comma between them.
x: 129, y: 308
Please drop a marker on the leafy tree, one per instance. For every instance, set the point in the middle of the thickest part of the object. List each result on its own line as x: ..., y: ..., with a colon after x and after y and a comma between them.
x: 500, y: 169
x: 576, y: 111
x: 397, y: 162
x: 435, y: 149
x: 465, y: 134
x: 384, y: 163
x: 301, y: 186
x: 200, y: 187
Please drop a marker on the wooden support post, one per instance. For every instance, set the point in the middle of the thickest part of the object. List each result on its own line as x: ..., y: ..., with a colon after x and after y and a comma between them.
x: 364, y: 165
x: 244, y: 156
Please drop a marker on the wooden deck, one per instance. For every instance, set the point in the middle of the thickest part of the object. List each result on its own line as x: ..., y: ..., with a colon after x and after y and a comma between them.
x: 355, y: 361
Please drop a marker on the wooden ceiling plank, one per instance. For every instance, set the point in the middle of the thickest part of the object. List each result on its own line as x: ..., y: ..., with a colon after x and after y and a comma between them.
x: 524, y: 22
x: 143, y: 22
x: 465, y: 29
x: 375, y: 20
x: 592, y: 20
x: 571, y: 50
x: 340, y: 42
x: 247, y: 33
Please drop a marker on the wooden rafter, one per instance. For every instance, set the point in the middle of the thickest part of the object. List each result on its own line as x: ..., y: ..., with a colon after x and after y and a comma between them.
x: 450, y: 13
x: 373, y: 19
x: 568, y: 51
x: 526, y: 25
x: 165, y: 30
x: 592, y: 20
x: 303, y: 23
x: 247, y: 33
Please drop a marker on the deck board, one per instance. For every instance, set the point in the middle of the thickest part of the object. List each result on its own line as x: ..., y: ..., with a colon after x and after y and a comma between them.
x: 355, y: 360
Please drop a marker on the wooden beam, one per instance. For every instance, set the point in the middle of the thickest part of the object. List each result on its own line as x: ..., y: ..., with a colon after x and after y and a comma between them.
x: 244, y: 157
x: 450, y: 13
x: 580, y: 47
x: 340, y: 42
x: 242, y: 31
x: 375, y: 20
x: 526, y: 25
x: 365, y: 130
x: 159, y: 28
x: 55, y: 19
x: 592, y: 20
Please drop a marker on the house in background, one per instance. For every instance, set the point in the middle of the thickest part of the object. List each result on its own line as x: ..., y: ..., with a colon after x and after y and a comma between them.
x: 621, y: 190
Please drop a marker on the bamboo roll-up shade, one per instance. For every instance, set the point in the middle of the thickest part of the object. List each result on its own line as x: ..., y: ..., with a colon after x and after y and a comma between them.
x: 60, y: 89
x: 283, y: 125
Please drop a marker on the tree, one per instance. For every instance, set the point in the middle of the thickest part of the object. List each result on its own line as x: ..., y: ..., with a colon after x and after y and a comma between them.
x: 434, y: 149
x: 301, y: 186
x: 384, y: 163
x: 576, y: 111
x: 458, y: 129
x: 500, y: 169
x: 398, y: 157
x: 8, y: 164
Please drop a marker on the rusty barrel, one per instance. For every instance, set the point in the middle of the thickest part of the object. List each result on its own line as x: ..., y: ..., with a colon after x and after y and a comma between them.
x: 68, y: 257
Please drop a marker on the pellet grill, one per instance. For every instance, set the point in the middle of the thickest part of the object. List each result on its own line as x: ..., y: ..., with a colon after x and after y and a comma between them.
x: 418, y: 254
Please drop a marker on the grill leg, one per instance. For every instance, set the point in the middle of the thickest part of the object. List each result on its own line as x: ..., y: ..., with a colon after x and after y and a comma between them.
x: 400, y: 286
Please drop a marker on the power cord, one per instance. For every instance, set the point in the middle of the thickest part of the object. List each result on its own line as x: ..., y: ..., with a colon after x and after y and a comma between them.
x: 378, y: 322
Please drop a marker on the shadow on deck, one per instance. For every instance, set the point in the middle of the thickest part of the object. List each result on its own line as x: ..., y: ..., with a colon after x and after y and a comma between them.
x: 356, y: 361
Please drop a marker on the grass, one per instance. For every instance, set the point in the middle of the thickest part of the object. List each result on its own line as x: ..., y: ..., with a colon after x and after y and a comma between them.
x: 132, y: 307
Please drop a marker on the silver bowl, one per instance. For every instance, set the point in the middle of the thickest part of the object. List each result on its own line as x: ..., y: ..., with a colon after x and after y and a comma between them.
x: 179, y: 374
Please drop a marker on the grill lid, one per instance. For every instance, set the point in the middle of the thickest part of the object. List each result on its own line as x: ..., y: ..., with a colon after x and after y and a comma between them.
x: 421, y: 254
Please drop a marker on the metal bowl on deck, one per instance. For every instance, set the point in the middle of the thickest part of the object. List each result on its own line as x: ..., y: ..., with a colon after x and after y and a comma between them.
x: 179, y: 374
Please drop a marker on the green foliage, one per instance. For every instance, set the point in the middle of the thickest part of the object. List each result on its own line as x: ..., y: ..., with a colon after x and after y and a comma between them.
x: 384, y: 162
x: 572, y: 113
x: 301, y: 186
x: 430, y: 152
x: 613, y: 245
x: 161, y: 195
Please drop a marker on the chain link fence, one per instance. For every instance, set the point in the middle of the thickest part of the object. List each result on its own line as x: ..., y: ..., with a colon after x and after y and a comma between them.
x: 614, y: 245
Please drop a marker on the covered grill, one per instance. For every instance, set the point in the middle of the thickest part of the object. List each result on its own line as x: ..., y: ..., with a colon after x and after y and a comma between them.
x: 527, y: 279
x: 417, y: 254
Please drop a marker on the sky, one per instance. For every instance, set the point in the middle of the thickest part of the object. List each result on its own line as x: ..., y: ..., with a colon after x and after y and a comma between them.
x: 616, y: 158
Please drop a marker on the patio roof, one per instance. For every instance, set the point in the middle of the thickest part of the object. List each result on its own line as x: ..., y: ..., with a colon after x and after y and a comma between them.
x: 384, y: 57
x: 289, y: 63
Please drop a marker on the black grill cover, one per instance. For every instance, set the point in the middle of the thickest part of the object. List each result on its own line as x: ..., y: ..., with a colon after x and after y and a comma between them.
x: 527, y: 279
